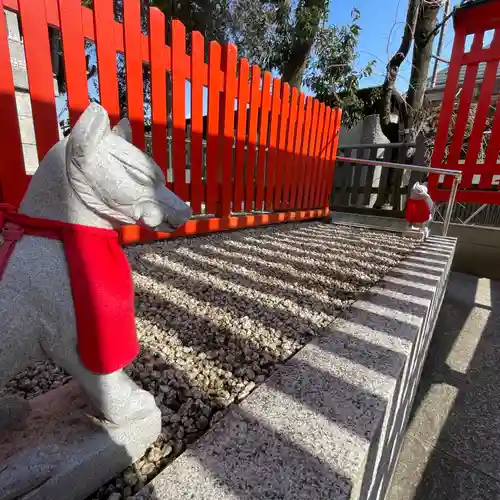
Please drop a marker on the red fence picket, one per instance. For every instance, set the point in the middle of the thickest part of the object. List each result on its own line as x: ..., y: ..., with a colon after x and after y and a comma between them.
x: 158, y: 88
x: 197, y: 62
x: 264, y: 151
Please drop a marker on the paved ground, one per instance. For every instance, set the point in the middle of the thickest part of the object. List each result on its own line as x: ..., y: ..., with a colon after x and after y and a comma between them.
x: 452, y: 447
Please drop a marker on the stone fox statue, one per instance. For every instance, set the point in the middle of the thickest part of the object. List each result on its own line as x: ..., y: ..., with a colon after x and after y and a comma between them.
x: 66, y: 291
x: 419, y: 209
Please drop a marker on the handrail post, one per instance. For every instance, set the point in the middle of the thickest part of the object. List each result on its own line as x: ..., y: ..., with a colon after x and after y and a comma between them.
x: 451, y: 203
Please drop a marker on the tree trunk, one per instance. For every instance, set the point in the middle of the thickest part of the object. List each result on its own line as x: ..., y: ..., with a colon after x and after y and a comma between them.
x: 422, y: 53
x: 389, y: 88
x: 309, y: 14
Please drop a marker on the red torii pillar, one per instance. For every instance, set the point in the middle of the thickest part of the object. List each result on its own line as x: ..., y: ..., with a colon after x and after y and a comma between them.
x: 472, y: 77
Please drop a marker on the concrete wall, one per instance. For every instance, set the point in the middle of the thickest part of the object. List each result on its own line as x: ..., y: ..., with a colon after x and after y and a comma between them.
x: 367, y: 131
x: 478, y: 249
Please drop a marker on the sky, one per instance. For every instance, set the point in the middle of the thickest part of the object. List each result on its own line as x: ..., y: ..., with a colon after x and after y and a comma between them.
x: 382, y: 23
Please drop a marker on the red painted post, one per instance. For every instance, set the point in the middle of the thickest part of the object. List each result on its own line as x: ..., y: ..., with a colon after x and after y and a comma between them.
x: 252, y: 139
x: 316, y: 163
x: 273, y: 145
x: 290, y: 147
x: 302, y: 166
x: 331, y: 156
x: 327, y: 133
x: 214, y: 88
x: 281, y: 162
x: 239, y: 167
x: 13, y: 179
x: 197, y: 64
x: 179, y: 108
x: 41, y: 82
x: 158, y: 88
x: 296, y: 160
x: 309, y: 161
x: 230, y: 92
x: 70, y: 15
x: 133, y: 66
x: 264, y: 121
x: 106, y: 58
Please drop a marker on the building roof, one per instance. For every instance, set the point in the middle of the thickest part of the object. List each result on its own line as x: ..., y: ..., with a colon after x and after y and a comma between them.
x: 442, y: 75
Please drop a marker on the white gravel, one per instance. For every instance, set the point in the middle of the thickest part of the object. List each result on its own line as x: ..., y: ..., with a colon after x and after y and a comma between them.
x: 217, y: 314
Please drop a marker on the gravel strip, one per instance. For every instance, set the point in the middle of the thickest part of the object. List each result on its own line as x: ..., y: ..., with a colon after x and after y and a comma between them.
x: 217, y: 314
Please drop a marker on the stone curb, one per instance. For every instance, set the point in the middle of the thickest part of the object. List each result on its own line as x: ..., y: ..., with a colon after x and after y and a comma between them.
x: 328, y: 424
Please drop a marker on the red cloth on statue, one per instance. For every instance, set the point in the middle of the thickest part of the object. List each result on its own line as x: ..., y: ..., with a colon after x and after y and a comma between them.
x: 417, y: 211
x: 101, y: 285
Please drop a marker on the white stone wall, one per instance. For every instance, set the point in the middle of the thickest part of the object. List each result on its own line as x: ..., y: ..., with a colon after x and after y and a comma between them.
x: 18, y: 62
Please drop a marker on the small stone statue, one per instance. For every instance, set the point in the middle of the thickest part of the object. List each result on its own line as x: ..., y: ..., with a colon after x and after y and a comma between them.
x: 418, y: 212
x: 66, y: 292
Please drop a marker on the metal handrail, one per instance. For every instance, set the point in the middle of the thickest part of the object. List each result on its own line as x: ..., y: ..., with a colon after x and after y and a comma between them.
x: 457, y: 178
x: 378, y: 146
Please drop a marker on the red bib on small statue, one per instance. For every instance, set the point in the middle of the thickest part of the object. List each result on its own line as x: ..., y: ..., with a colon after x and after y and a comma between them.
x: 101, y: 285
x: 417, y: 211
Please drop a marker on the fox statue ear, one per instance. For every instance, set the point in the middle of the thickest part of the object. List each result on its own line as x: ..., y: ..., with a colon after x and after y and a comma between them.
x: 92, y: 127
x: 84, y: 161
x: 123, y: 129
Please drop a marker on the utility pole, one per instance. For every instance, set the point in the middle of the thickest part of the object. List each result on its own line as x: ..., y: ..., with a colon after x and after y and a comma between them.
x: 437, y: 57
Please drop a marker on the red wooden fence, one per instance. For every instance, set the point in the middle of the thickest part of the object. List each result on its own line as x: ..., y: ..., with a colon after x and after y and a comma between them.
x: 480, y: 181
x: 284, y: 143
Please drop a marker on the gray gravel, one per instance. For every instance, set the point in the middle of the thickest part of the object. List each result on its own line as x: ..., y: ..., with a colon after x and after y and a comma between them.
x: 217, y: 314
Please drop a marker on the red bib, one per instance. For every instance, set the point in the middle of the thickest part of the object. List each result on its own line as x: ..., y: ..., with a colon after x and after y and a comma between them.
x: 101, y: 285
x: 417, y: 211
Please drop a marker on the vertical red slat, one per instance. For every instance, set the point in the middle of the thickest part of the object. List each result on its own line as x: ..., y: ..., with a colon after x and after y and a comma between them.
x: 264, y: 121
x: 179, y: 109
x: 493, y: 146
x: 273, y: 145
x: 290, y: 144
x: 466, y: 97
x: 106, y: 58
x: 331, y: 156
x: 214, y: 86
x: 447, y: 106
x: 158, y: 88
x: 133, y: 67
x: 302, y: 166
x: 323, y: 152
x: 476, y: 136
x: 243, y: 98
x: 230, y: 88
x: 282, y: 153
x: 197, y: 63
x: 316, y: 163
x: 252, y: 139
x: 309, y: 163
x: 13, y: 179
x: 70, y: 15
x: 41, y: 83
x: 296, y: 160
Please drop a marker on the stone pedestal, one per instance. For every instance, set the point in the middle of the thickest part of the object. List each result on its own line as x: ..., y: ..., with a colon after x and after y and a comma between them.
x: 417, y: 233
x: 63, y: 452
